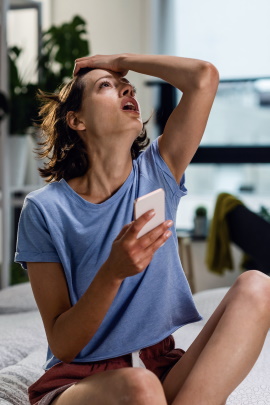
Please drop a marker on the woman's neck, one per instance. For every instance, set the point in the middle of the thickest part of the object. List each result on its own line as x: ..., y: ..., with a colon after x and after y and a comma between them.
x: 106, y: 174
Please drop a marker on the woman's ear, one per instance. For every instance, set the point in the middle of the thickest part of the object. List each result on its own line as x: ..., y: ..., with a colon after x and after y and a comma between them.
x: 74, y: 122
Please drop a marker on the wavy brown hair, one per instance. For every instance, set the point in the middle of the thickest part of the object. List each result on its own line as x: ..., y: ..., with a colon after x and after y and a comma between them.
x: 60, y: 146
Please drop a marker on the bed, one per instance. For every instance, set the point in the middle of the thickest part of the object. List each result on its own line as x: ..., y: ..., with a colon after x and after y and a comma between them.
x: 23, y: 347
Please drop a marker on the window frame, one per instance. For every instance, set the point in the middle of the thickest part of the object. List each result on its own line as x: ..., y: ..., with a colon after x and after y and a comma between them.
x: 224, y: 154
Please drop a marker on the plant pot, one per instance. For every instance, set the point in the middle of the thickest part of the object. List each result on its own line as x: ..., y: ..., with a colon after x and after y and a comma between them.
x: 200, y: 227
x: 18, y: 147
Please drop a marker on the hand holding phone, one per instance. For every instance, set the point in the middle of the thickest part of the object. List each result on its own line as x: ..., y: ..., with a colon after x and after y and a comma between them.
x: 154, y: 200
x: 132, y: 250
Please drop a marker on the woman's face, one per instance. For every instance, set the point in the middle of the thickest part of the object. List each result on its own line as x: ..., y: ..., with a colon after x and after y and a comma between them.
x: 109, y: 105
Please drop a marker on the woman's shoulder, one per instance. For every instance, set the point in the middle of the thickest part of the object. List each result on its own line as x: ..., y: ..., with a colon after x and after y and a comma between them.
x: 46, y: 194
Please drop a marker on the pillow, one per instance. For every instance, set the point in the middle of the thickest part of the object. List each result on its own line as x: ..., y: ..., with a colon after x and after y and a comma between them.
x: 17, y: 298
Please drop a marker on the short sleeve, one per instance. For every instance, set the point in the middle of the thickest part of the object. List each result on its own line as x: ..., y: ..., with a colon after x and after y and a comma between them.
x: 155, y: 169
x: 179, y: 190
x: 34, y: 242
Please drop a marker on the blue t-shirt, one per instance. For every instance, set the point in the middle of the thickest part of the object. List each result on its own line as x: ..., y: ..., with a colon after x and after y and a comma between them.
x: 57, y: 225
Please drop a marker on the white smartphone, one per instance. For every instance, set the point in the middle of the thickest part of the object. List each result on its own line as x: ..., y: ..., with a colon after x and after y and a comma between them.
x: 154, y: 200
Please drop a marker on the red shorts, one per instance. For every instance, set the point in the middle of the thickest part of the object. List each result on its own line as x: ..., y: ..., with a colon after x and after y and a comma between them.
x: 159, y: 359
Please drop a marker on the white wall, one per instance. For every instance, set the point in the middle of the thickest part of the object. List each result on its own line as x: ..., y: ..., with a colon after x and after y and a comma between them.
x: 114, y: 27
x: 233, y: 35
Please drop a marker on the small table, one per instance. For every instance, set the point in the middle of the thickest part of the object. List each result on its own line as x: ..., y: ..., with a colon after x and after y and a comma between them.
x: 185, y: 253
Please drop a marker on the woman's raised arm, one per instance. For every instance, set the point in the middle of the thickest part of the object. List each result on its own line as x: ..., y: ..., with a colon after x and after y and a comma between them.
x: 197, y: 79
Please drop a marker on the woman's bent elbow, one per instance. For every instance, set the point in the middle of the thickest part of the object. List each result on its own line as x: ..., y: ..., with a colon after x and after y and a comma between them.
x: 208, y: 77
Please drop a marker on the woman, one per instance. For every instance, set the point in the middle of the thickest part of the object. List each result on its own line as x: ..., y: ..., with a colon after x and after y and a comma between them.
x: 110, y: 300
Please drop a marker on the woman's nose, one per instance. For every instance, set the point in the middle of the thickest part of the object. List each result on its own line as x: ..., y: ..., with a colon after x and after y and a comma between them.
x: 127, y: 90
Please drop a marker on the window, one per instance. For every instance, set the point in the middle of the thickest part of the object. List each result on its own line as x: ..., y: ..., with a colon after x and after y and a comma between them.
x: 234, y: 155
x: 234, y: 35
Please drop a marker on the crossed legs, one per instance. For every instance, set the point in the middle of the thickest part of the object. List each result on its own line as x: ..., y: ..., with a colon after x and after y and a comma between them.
x: 214, y: 365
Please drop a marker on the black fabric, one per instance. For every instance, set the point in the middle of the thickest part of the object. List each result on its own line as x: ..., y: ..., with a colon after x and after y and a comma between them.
x: 4, y: 105
x: 167, y: 103
x: 251, y: 233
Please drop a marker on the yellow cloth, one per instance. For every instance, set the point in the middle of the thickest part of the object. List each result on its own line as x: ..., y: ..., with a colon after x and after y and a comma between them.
x: 218, y: 252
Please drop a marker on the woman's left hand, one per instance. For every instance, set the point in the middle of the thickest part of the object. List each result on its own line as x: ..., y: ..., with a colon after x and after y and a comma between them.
x: 109, y: 62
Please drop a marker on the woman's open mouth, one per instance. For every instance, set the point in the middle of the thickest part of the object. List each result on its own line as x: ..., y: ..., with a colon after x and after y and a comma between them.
x: 129, y: 104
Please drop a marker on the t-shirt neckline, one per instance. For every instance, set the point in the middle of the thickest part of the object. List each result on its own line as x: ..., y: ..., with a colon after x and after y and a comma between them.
x: 69, y: 190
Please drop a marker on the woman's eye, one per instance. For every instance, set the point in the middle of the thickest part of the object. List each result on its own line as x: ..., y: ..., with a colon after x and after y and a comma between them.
x: 105, y: 84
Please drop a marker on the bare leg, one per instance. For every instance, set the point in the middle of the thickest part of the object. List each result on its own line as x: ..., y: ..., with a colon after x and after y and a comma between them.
x: 125, y: 386
x: 227, y: 347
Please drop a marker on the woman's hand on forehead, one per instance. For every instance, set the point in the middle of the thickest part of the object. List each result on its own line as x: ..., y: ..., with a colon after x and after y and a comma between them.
x: 109, y: 62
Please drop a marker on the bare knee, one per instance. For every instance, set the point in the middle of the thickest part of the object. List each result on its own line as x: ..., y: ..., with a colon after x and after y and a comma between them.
x: 125, y: 386
x: 254, y: 287
x: 140, y: 387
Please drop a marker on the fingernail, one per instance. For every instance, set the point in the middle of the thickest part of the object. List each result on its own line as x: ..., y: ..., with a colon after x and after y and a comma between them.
x: 167, y: 233
x: 151, y: 213
x: 169, y: 223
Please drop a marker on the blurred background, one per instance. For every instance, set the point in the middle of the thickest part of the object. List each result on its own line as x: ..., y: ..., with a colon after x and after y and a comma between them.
x: 41, y: 39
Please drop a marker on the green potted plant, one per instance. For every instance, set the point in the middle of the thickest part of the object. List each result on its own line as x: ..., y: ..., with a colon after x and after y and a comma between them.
x: 265, y: 213
x: 60, y: 45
